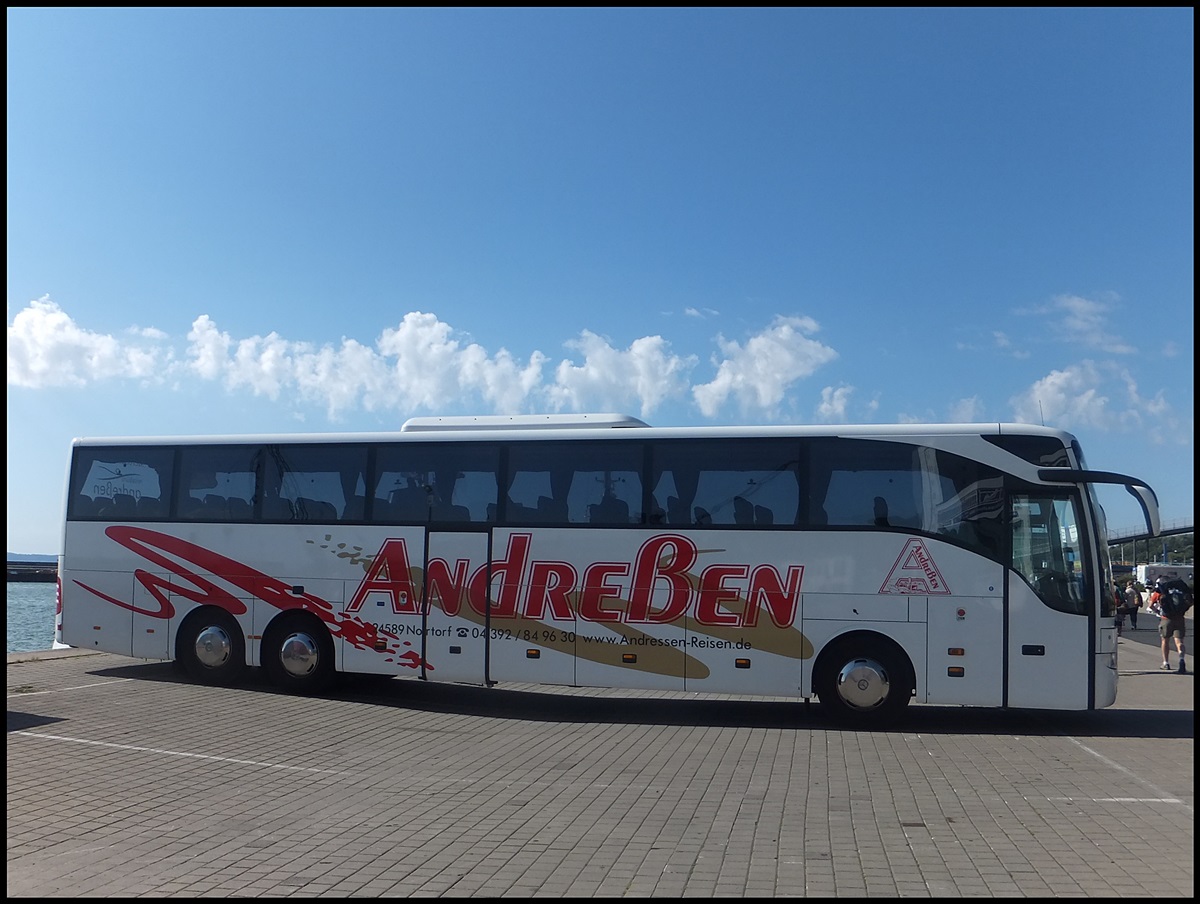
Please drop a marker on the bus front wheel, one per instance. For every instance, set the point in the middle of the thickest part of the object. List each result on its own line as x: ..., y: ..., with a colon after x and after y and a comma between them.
x: 864, y: 682
x: 210, y: 647
x: 297, y: 653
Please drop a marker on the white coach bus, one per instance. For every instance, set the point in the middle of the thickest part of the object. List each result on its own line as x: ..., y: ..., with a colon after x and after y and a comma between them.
x: 866, y: 566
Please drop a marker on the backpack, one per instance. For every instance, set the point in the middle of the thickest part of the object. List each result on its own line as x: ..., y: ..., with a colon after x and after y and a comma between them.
x: 1176, y: 600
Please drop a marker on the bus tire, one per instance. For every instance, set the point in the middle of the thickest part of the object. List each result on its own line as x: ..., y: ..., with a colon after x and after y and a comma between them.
x: 210, y: 647
x: 864, y: 681
x: 297, y: 654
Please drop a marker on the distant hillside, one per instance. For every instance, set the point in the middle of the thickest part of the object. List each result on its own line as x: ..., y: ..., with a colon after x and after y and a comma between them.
x: 30, y: 557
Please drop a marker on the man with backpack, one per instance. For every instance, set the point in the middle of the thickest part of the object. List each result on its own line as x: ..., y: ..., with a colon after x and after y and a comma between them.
x: 1174, y: 600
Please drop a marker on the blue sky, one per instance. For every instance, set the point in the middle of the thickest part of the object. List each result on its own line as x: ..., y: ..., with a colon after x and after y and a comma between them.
x: 310, y: 220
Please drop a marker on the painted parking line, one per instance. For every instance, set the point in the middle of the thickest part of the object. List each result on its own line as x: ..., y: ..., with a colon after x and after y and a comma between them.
x: 175, y: 753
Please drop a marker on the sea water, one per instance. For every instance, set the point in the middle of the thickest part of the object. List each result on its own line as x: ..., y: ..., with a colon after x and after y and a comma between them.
x: 30, y: 616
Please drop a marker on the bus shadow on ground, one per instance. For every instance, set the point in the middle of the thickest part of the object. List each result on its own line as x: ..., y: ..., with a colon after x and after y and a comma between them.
x: 19, y: 721
x: 596, y: 707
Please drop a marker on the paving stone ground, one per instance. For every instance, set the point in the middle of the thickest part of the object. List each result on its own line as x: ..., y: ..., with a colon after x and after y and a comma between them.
x: 126, y: 780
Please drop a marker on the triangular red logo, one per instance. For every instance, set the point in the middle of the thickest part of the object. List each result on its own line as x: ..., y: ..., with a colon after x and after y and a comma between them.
x: 914, y: 573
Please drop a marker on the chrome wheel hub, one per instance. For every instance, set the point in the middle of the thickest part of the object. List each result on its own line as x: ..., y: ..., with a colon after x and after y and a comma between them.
x: 213, y: 647
x: 863, y: 684
x: 299, y: 654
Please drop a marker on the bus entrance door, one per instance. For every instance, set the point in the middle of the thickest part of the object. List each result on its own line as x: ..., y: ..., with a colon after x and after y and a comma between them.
x: 454, y: 628
x: 1047, y: 652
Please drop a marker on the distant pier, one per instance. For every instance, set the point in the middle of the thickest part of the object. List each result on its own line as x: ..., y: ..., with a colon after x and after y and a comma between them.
x: 45, y: 572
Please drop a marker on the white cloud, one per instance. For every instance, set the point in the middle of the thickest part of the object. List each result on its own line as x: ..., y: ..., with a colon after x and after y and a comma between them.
x: 759, y: 373
x: 423, y: 364
x: 339, y: 377
x: 47, y: 348
x: 1002, y: 341
x: 643, y: 376
x: 1156, y: 406
x: 1084, y: 321
x: 832, y: 407
x: 502, y: 381
x: 208, y: 348
x: 1097, y: 395
x: 966, y: 411
x: 416, y: 365
x: 1067, y: 398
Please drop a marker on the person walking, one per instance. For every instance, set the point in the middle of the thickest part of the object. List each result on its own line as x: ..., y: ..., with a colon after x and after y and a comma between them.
x: 1172, y: 599
x: 1133, y: 602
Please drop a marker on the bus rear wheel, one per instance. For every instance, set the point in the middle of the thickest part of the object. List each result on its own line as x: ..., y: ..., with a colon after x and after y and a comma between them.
x: 297, y: 653
x: 210, y: 647
x: 864, y: 682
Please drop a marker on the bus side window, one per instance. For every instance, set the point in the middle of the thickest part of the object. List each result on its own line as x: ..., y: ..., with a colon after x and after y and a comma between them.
x: 449, y: 483
x: 967, y: 500
x: 112, y: 483
x: 865, y: 483
x: 317, y: 483
x: 574, y: 483
x: 211, y: 476
x: 535, y: 485
x: 719, y: 483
